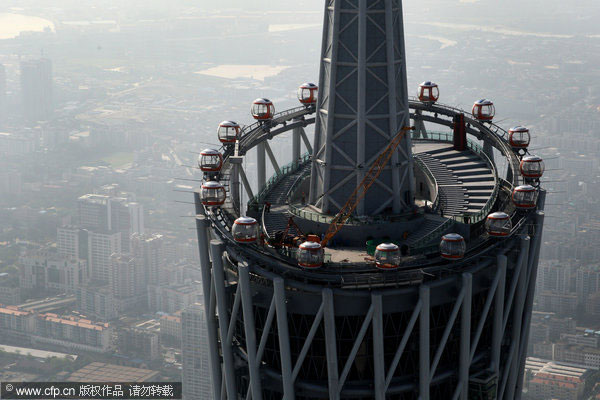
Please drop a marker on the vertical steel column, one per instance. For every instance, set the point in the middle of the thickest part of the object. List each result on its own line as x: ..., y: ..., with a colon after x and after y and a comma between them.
x: 250, y: 331
x: 498, y: 332
x: 391, y: 76
x: 284, y: 339
x: 202, y: 226
x: 534, y: 257
x: 424, y: 358
x: 465, y: 337
x: 234, y: 187
x: 518, y: 307
x: 261, y: 166
x: 420, y: 130
x: 237, y: 161
x: 378, y: 351
x: 217, y: 249
x: 331, y: 345
x: 361, y: 88
x: 408, y: 164
x: 324, y: 115
x: 488, y: 149
x: 296, y: 145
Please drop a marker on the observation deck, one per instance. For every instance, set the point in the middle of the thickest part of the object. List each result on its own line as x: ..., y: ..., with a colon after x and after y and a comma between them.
x: 456, y: 190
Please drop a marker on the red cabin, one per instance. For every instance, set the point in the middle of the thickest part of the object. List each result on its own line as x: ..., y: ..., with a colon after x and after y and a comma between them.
x: 210, y: 160
x: 307, y: 93
x: 519, y: 137
x: 311, y: 255
x: 453, y: 246
x: 532, y: 167
x: 428, y: 92
x: 228, y: 131
x: 263, y: 109
x: 245, y: 230
x: 484, y: 110
x: 213, y: 193
x: 387, y: 256
x: 498, y: 224
x: 525, y: 197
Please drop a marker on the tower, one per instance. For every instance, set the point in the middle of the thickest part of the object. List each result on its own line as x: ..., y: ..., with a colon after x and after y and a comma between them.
x: 363, y: 104
x: 420, y: 288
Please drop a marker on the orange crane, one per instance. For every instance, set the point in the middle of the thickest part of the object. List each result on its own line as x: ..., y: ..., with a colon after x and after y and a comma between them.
x: 360, y: 192
x: 286, y: 239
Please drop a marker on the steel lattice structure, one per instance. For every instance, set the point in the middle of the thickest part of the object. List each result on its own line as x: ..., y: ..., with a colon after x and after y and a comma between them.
x: 362, y: 105
x: 429, y: 329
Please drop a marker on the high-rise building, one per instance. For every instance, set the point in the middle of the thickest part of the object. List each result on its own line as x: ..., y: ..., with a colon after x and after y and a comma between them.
x: 140, y: 343
x: 127, y: 218
x: 36, y: 89
x: 554, y: 277
x: 114, y: 214
x: 172, y: 298
x: 170, y: 329
x: 587, y: 282
x: 101, y: 246
x: 194, y: 352
x: 97, y: 300
x: 126, y: 278
x: 397, y: 259
x: 94, y: 212
x: 47, y: 269
x: 148, y: 252
x: 71, y: 241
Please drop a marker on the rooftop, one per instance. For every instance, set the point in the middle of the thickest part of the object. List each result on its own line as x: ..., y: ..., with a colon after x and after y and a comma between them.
x: 555, y: 370
x: 74, y: 321
x: 102, y: 372
x: 13, y: 310
x: 35, y: 352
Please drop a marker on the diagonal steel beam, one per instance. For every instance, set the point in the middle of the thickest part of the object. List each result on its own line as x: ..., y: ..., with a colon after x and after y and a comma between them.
x: 331, y: 345
x: 272, y: 157
x: 447, y: 331
x: 403, y: 342
x: 308, y: 342
x: 265, y: 333
x: 309, y: 147
x: 484, y: 314
x: 357, y: 342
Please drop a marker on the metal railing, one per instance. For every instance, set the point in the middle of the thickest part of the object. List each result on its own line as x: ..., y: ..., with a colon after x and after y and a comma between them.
x: 436, y: 198
x: 477, y: 149
x: 277, y: 118
x: 420, y: 246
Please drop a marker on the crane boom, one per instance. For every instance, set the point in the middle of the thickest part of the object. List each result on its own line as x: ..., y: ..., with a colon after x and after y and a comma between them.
x: 361, y: 191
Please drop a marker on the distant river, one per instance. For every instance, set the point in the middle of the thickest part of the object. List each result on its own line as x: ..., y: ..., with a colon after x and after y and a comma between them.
x: 11, y: 25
